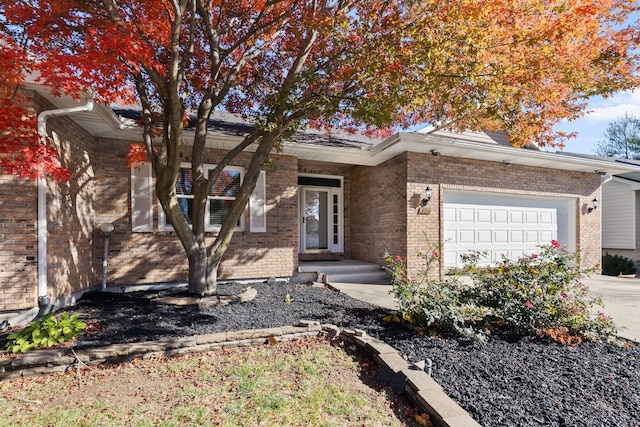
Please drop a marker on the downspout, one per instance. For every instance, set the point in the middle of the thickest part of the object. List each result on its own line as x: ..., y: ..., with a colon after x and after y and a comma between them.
x: 44, y: 303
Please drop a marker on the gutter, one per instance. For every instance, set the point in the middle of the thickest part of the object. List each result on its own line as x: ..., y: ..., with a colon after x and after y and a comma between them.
x: 43, y: 299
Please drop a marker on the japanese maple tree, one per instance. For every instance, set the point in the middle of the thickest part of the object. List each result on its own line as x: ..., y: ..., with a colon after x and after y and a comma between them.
x: 371, y: 65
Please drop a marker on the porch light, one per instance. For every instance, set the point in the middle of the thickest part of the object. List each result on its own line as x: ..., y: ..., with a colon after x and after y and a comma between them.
x: 427, y: 196
x: 595, y: 203
x: 107, y: 230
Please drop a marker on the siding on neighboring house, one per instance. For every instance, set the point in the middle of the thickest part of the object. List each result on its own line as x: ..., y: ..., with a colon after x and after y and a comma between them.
x: 619, y: 216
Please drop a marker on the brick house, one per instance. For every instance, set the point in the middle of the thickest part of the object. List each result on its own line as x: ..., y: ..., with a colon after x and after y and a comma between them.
x: 326, y: 197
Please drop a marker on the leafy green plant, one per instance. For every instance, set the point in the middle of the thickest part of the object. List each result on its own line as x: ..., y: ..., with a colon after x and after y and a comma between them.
x: 46, y: 332
x: 540, y: 293
x: 426, y: 302
x: 614, y: 265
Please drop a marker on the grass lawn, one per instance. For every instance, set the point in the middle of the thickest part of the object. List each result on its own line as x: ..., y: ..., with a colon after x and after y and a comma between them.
x: 302, y: 383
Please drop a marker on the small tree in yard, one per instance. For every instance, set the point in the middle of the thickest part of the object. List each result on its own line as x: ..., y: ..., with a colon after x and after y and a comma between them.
x: 370, y: 65
x: 622, y: 138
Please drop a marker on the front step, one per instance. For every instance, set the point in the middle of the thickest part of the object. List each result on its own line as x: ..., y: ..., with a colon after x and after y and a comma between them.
x: 347, y: 271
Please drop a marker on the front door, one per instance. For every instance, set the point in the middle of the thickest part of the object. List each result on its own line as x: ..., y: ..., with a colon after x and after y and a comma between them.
x: 315, y: 219
x: 321, y: 219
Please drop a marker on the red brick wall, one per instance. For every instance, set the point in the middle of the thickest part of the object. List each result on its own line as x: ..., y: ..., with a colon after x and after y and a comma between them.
x: 18, y: 244
x: 443, y: 173
x: 71, y: 210
x: 159, y: 256
x: 69, y: 216
x: 379, y: 210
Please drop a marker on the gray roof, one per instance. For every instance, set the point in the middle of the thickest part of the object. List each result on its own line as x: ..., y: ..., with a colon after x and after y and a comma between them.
x: 633, y: 176
x: 227, y: 124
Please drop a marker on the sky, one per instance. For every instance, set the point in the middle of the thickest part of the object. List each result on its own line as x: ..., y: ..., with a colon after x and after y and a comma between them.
x: 591, y: 128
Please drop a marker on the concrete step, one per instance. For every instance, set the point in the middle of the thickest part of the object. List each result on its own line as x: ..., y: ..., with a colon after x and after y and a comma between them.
x: 346, y: 271
x: 380, y: 277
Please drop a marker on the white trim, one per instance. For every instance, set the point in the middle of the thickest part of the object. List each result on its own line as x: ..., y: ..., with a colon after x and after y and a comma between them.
x: 633, y: 185
x: 331, y: 192
x: 141, y: 198
x: 258, y: 206
x: 162, y: 218
x: 42, y: 231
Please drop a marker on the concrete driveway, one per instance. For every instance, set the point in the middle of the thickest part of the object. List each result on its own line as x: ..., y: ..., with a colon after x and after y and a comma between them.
x: 621, y: 298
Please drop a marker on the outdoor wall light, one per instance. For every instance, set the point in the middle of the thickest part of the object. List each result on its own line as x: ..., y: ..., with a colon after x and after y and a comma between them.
x: 435, y: 153
x: 427, y: 197
x: 107, y: 230
x: 595, y: 202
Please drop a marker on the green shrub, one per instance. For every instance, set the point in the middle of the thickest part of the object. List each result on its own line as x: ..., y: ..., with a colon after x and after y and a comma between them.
x: 536, y: 294
x: 431, y: 303
x: 614, y: 265
x: 47, y: 332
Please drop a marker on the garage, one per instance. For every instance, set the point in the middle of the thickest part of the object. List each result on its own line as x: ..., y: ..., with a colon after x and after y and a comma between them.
x: 503, y: 225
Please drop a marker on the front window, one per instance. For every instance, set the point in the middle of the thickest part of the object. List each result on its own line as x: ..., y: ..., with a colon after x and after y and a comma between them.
x: 223, y: 194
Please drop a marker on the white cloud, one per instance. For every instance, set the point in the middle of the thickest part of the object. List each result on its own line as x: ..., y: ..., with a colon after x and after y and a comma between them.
x: 608, y: 110
x: 591, y: 127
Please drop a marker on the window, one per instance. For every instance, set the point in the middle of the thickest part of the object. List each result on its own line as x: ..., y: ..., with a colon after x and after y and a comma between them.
x: 223, y: 194
x: 219, y: 202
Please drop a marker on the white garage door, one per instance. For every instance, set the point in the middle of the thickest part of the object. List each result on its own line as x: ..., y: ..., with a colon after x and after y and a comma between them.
x: 513, y: 226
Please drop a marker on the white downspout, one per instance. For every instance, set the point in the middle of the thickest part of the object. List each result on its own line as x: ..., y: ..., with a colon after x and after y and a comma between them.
x: 42, y: 198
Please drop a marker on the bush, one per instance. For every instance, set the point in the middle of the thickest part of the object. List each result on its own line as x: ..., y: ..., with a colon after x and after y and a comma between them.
x: 537, y: 294
x: 432, y: 303
x: 615, y: 265
x: 47, y: 332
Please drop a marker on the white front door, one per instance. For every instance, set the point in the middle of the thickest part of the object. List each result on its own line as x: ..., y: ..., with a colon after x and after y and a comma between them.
x: 320, y: 219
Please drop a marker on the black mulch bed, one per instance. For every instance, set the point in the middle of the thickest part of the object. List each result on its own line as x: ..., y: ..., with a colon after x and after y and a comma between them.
x: 510, y: 381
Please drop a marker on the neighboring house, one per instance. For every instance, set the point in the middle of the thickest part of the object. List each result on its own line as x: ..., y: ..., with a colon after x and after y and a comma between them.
x: 621, y: 214
x: 327, y: 197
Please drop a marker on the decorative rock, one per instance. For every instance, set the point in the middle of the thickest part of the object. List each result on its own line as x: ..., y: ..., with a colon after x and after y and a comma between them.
x: 248, y: 295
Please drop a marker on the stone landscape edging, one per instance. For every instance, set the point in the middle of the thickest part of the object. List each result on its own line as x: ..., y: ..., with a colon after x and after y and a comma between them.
x: 393, y: 370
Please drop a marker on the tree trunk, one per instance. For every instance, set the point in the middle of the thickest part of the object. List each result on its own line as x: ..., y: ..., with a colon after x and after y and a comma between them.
x: 198, y: 283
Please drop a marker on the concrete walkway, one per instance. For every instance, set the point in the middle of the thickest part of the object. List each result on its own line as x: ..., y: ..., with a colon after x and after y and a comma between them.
x: 621, y: 298
x: 379, y: 295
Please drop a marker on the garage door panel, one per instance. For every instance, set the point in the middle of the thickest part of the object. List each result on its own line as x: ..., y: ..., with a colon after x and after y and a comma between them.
x: 450, y: 214
x: 511, y: 226
x: 500, y: 236
x: 531, y: 236
x: 450, y: 235
x: 466, y: 237
x: 516, y: 236
x: 484, y: 236
x: 501, y: 216
x: 483, y: 216
x: 547, y: 218
x: 515, y: 254
x: 531, y: 217
x: 516, y: 217
x: 466, y: 215
x: 547, y: 235
x: 451, y: 258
